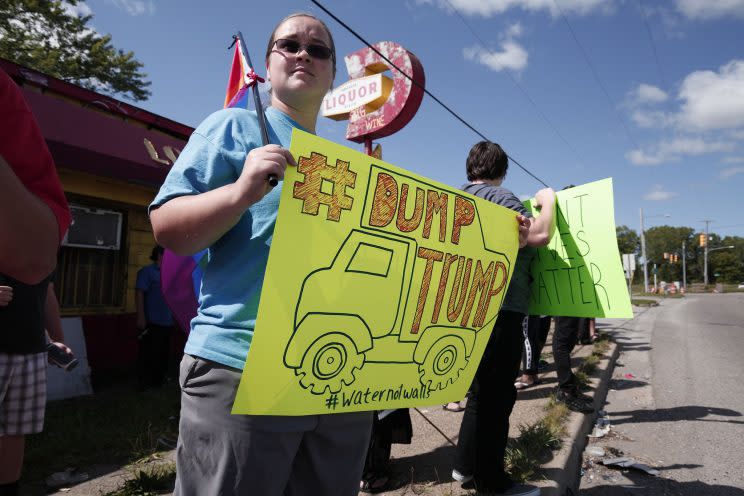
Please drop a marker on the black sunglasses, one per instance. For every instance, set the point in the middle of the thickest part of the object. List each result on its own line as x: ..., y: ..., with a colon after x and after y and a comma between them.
x: 293, y: 46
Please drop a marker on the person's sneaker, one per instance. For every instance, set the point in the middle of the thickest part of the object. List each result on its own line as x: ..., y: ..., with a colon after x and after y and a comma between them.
x: 574, y: 402
x: 460, y: 477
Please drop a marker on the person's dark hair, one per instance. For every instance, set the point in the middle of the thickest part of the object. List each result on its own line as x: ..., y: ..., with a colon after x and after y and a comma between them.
x: 486, y: 160
x: 157, y: 250
x: 272, y: 39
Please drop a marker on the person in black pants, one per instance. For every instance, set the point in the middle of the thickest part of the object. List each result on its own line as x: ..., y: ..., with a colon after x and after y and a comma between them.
x: 154, y: 325
x: 535, y: 330
x: 388, y: 427
x: 565, y: 336
x: 485, y: 424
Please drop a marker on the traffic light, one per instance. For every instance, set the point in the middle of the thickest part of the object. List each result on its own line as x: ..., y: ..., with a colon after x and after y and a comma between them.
x: 703, y: 240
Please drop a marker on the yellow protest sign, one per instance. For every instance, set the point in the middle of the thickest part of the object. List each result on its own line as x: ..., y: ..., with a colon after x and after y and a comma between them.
x: 381, y: 289
x: 579, y: 274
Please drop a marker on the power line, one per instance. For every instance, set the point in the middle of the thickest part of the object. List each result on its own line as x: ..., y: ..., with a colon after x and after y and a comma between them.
x: 596, y: 76
x: 419, y: 85
x: 519, y: 86
x: 653, y: 44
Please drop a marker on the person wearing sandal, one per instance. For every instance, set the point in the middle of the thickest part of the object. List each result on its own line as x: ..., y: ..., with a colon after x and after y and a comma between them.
x: 388, y: 427
x: 454, y: 406
x: 535, y: 329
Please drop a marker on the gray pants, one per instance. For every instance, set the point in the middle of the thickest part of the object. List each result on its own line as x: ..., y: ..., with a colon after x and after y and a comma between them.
x: 223, y: 454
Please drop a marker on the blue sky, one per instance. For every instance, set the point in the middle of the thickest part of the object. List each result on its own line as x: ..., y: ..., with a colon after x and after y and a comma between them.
x: 648, y: 93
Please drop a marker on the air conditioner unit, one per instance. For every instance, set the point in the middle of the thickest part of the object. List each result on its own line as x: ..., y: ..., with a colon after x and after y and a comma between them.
x: 94, y: 228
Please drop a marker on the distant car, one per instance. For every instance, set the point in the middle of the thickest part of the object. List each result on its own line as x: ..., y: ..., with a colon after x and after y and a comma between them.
x: 741, y: 285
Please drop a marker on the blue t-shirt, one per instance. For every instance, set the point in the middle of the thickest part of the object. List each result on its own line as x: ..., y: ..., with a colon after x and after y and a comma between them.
x: 156, y: 310
x: 232, y: 278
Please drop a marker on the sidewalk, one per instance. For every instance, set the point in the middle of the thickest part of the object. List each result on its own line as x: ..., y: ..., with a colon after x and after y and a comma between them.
x: 424, y: 466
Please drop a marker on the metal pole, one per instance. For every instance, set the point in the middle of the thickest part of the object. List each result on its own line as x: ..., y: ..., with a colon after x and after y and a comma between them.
x: 643, y: 254
x: 654, y: 277
x: 705, y: 258
x: 684, y: 267
x: 273, y: 181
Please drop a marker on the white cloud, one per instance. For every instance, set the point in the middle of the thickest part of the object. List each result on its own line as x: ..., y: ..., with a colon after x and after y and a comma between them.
x: 672, y: 151
x: 489, y: 8
x: 514, y: 31
x: 646, y: 93
x: 731, y: 171
x: 135, y: 7
x: 651, y: 118
x: 79, y: 10
x: 711, y: 9
x: 713, y: 100
x: 733, y: 160
x: 707, y: 100
x: 512, y: 55
x: 658, y: 194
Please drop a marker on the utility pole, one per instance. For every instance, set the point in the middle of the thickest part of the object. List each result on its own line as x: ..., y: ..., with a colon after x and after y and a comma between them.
x: 705, y: 257
x: 684, y: 267
x: 643, y: 254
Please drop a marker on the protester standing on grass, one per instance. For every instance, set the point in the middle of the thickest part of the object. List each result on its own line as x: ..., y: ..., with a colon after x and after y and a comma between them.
x: 565, y: 336
x: 34, y: 217
x: 217, y: 196
x: 154, y: 325
x: 535, y: 330
x: 485, y: 425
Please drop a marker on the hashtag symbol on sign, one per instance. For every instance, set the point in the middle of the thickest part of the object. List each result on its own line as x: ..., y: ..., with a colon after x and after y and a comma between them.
x: 332, y: 402
x: 318, y: 173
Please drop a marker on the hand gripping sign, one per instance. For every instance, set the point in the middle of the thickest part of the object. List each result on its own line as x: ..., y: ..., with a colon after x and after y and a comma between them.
x: 381, y: 288
x: 377, y: 106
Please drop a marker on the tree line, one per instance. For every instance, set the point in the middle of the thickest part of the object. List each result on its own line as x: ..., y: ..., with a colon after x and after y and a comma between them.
x: 725, y: 266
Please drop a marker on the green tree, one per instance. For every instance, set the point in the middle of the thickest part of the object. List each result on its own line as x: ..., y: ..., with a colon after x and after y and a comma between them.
x: 728, y: 264
x: 668, y: 239
x: 44, y: 35
x: 628, y: 240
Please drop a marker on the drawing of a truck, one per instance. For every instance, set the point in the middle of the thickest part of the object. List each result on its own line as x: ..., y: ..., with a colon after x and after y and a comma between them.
x: 334, y: 335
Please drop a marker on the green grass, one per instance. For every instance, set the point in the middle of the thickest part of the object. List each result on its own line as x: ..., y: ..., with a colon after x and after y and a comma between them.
x: 529, y: 450
x: 533, y: 446
x: 150, y: 481
x: 113, y: 427
x: 642, y: 302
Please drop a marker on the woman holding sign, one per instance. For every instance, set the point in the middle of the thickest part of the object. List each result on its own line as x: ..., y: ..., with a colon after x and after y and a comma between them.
x: 217, y: 197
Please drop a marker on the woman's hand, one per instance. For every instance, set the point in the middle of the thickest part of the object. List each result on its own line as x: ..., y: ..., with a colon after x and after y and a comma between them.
x: 253, y: 183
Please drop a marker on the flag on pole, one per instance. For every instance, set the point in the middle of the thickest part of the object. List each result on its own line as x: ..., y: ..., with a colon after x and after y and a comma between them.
x: 180, y: 281
x: 240, y: 80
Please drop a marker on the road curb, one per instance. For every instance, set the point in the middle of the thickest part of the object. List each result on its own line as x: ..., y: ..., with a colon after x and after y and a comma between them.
x: 562, y: 471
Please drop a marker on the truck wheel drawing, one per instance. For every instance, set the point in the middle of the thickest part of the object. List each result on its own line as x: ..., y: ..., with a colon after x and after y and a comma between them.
x: 443, y: 363
x: 330, y: 363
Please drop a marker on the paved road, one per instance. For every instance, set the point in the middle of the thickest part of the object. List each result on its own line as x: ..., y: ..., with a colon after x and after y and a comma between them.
x: 677, y: 400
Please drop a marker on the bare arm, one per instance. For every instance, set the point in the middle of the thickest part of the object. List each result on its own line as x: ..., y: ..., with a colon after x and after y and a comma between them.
x: 188, y: 224
x: 29, y: 235
x: 52, y: 321
x: 541, y: 229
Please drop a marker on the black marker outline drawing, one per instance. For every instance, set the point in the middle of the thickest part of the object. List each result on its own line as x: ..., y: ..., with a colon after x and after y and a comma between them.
x: 332, y: 340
